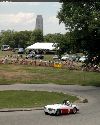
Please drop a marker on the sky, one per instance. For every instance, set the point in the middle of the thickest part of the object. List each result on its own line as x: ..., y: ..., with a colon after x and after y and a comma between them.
x: 20, y: 16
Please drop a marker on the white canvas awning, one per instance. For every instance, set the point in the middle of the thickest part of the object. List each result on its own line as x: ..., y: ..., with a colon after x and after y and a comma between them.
x: 42, y: 46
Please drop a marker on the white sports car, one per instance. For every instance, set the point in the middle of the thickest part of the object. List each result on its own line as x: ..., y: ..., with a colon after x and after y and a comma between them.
x: 57, y: 109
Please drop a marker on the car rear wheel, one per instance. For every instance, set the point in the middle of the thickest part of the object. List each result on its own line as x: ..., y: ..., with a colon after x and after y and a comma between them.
x: 74, y: 110
x: 58, y: 112
x: 46, y: 113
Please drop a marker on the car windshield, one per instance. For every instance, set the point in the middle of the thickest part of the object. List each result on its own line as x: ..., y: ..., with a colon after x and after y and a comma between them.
x: 21, y: 49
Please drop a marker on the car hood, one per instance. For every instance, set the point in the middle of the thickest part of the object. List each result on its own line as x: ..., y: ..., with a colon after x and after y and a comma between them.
x: 54, y: 106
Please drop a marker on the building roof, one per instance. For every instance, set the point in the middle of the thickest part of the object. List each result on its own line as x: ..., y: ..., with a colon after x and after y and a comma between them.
x: 42, y: 46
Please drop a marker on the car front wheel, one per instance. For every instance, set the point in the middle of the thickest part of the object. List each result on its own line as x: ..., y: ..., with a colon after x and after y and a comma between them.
x: 74, y: 110
x: 58, y: 112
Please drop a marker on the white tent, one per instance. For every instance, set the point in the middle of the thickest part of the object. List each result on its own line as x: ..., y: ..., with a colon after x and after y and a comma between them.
x: 42, y: 46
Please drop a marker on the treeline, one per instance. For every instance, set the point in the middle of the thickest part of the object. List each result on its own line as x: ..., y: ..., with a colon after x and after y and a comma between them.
x: 71, y: 42
x: 23, y: 39
x: 20, y: 39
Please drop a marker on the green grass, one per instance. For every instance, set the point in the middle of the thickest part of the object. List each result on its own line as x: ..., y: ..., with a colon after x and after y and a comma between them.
x: 10, y: 74
x: 23, y: 99
x: 5, y: 53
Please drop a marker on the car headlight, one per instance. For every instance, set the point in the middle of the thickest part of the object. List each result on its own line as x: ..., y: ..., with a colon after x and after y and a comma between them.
x: 50, y: 109
x: 44, y: 107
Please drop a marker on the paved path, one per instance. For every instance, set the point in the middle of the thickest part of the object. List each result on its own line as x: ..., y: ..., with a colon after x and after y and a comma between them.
x: 89, y: 112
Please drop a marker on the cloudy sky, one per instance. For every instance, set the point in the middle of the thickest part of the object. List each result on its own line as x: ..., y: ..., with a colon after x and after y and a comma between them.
x: 20, y: 16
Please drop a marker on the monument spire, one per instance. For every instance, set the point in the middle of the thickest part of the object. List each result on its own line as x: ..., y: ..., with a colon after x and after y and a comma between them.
x: 39, y: 22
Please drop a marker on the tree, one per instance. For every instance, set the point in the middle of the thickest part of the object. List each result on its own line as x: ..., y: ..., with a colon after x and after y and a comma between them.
x: 6, y: 37
x: 53, y: 38
x: 37, y: 36
x: 15, y: 39
x: 62, y: 41
x: 22, y: 39
x: 83, y: 21
x: 50, y: 38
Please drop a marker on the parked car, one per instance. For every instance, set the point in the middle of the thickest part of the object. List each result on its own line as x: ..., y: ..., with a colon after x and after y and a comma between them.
x: 39, y: 56
x: 83, y: 59
x: 65, y: 57
x: 72, y: 57
x: 30, y: 55
x: 20, y: 51
x: 55, y: 57
x: 77, y: 58
x: 58, y: 109
x: 5, y: 47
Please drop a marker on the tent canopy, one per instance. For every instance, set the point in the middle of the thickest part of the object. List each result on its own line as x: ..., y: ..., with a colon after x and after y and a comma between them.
x: 42, y: 46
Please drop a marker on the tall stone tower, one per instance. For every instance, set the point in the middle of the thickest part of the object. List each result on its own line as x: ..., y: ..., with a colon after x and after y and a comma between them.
x: 39, y: 22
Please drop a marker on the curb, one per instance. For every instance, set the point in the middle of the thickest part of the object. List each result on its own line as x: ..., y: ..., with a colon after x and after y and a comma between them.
x: 81, y: 100
x: 20, y: 109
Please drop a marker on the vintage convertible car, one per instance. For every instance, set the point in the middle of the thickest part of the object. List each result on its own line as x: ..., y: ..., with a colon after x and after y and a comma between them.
x: 58, y: 109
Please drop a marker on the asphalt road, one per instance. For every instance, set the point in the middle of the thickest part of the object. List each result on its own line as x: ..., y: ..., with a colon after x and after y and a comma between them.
x: 89, y: 112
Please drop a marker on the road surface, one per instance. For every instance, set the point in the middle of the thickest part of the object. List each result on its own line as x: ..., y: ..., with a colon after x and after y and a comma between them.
x: 89, y: 112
